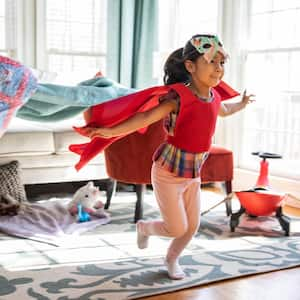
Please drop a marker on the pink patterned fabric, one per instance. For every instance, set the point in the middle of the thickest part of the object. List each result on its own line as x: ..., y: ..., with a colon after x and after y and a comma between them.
x: 17, y: 84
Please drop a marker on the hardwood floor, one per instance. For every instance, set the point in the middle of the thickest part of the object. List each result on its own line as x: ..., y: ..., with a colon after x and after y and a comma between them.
x: 277, y: 285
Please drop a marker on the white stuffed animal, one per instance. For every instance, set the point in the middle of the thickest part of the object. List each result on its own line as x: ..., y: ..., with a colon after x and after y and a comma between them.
x: 89, y: 197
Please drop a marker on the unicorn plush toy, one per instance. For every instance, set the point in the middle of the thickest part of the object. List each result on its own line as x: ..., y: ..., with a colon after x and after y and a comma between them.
x: 89, y: 198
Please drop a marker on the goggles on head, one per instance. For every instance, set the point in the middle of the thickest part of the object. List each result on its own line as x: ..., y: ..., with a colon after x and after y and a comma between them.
x: 208, y: 46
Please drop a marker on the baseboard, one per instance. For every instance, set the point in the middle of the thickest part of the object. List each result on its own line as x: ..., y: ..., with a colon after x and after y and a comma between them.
x: 245, y: 179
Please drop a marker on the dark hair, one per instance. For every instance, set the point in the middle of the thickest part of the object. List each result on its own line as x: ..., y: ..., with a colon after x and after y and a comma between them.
x: 174, y: 68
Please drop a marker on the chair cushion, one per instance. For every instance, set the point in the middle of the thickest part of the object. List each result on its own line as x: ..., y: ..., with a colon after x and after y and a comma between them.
x: 218, y: 166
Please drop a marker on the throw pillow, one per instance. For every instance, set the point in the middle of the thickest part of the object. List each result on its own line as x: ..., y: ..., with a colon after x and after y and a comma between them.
x: 10, y: 181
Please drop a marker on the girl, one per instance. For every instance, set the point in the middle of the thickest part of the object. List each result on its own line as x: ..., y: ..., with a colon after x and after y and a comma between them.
x: 190, y: 110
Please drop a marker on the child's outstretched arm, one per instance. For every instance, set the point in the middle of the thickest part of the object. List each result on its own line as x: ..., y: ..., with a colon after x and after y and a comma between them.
x: 227, y: 109
x: 139, y: 120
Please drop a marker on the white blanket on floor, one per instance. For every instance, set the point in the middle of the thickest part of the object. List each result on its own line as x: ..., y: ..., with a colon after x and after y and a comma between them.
x: 48, y: 222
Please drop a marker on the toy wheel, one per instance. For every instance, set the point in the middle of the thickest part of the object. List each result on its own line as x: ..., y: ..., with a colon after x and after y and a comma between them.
x: 233, y: 223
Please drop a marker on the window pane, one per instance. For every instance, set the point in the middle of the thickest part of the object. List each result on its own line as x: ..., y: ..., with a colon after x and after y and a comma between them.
x: 82, y: 67
x: 267, y: 129
x: 268, y: 70
x: 2, y: 25
x: 70, y: 26
x: 2, y: 33
x: 283, y: 29
x: 274, y: 24
x: 7, y: 28
x: 76, y: 36
x: 259, y: 32
x: 196, y: 20
x: 188, y: 21
x: 279, y: 4
x: 258, y: 6
x: 294, y: 72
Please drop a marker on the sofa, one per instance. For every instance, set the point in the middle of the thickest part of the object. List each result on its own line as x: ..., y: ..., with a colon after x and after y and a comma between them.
x: 42, y: 150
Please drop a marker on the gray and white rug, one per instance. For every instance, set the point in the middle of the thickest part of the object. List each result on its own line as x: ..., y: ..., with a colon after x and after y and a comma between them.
x: 106, y: 264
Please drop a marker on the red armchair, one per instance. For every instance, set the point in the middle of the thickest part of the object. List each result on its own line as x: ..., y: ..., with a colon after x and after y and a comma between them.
x: 129, y: 160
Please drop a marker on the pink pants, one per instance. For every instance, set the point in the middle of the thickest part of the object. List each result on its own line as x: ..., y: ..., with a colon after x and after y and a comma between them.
x: 179, y: 202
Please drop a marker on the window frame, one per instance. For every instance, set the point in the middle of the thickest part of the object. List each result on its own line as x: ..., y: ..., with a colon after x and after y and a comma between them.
x: 232, y: 127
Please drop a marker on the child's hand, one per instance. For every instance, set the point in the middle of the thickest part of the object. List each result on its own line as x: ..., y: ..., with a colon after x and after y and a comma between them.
x: 100, y: 132
x: 92, y: 132
x: 246, y: 99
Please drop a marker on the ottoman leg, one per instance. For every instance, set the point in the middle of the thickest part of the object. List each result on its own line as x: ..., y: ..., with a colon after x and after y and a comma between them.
x: 228, y: 189
x: 111, y: 185
x: 140, y: 191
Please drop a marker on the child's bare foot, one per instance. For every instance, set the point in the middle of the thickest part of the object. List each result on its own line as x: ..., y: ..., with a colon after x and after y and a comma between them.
x: 142, y: 239
x: 174, y: 270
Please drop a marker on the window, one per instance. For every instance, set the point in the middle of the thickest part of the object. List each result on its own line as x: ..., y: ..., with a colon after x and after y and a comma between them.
x: 75, y: 37
x: 272, y: 72
x: 67, y: 37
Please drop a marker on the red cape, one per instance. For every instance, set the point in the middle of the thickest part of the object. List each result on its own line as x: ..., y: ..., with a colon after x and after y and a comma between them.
x: 113, y: 112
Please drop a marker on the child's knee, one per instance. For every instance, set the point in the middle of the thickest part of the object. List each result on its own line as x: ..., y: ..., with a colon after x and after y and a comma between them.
x: 189, y: 229
x: 177, y: 231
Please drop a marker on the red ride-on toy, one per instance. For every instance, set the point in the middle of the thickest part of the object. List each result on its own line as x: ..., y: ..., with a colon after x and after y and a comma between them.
x: 261, y: 200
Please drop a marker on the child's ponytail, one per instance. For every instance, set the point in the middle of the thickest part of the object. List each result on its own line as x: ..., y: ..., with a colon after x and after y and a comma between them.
x: 174, y: 69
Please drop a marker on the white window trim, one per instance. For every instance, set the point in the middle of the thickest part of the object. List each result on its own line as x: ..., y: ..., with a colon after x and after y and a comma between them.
x: 10, y: 16
x: 41, y: 53
x: 26, y: 32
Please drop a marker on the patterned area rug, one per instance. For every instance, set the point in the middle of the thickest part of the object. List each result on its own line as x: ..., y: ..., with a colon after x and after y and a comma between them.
x: 106, y: 264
